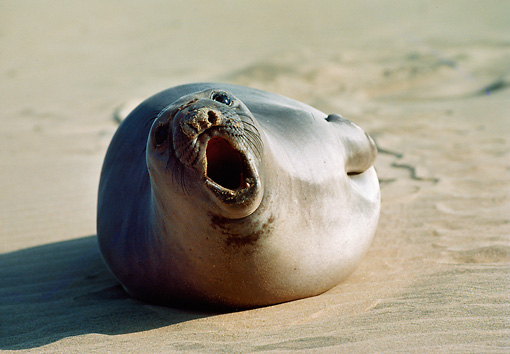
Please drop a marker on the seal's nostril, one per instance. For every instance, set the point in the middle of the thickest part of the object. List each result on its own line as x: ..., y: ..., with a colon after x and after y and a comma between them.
x: 212, y: 117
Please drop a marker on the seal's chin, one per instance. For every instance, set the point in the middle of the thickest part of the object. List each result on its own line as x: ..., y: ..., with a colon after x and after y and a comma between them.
x: 231, y: 178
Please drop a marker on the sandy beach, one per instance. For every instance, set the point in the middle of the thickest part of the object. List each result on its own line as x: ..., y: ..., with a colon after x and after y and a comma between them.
x: 429, y: 80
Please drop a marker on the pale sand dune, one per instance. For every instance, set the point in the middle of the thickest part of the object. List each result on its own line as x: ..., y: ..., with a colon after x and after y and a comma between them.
x: 429, y: 80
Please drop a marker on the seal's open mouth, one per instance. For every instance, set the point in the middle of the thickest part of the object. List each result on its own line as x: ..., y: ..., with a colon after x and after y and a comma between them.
x: 224, y: 164
x: 231, y: 178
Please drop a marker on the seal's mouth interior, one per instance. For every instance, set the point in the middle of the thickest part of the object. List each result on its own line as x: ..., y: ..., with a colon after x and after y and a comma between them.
x: 224, y: 164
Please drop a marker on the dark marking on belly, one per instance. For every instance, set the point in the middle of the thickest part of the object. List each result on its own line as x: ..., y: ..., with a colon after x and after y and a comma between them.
x: 241, y: 233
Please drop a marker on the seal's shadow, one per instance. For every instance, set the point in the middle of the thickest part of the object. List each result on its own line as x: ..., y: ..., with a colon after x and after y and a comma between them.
x: 64, y: 289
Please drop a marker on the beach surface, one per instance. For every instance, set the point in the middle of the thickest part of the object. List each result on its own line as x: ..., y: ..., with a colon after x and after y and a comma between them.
x: 429, y: 80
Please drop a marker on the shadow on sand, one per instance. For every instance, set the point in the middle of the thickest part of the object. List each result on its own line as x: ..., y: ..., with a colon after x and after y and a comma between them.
x: 63, y: 289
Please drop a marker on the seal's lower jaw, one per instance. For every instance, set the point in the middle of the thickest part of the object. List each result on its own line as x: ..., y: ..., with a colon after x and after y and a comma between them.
x: 231, y: 179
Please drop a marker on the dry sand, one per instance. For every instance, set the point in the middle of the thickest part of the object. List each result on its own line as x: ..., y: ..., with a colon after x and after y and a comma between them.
x: 428, y: 79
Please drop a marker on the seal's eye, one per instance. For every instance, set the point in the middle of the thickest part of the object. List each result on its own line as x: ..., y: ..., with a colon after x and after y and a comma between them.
x: 222, y: 97
x: 160, y: 135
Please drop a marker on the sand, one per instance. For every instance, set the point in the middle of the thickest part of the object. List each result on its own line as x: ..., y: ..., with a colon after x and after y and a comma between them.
x: 429, y: 80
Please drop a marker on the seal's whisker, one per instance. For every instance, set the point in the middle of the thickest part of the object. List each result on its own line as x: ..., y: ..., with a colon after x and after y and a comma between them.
x: 252, y: 137
x: 183, y: 183
x: 249, y: 119
x: 176, y: 170
x: 253, y: 140
x: 185, y: 150
x: 252, y: 129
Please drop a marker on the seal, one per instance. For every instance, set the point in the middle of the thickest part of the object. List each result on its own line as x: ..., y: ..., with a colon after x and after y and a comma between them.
x: 230, y: 196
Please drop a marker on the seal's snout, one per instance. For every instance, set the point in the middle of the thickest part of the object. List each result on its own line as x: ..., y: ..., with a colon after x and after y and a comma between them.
x: 209, y: 141
x: 199, y: 120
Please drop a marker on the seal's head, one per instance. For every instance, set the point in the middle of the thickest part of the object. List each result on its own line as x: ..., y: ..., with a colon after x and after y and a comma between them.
x: 207, y: 144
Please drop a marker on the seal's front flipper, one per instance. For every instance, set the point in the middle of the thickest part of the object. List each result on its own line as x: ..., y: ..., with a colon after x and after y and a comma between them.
x: 359, y: 148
